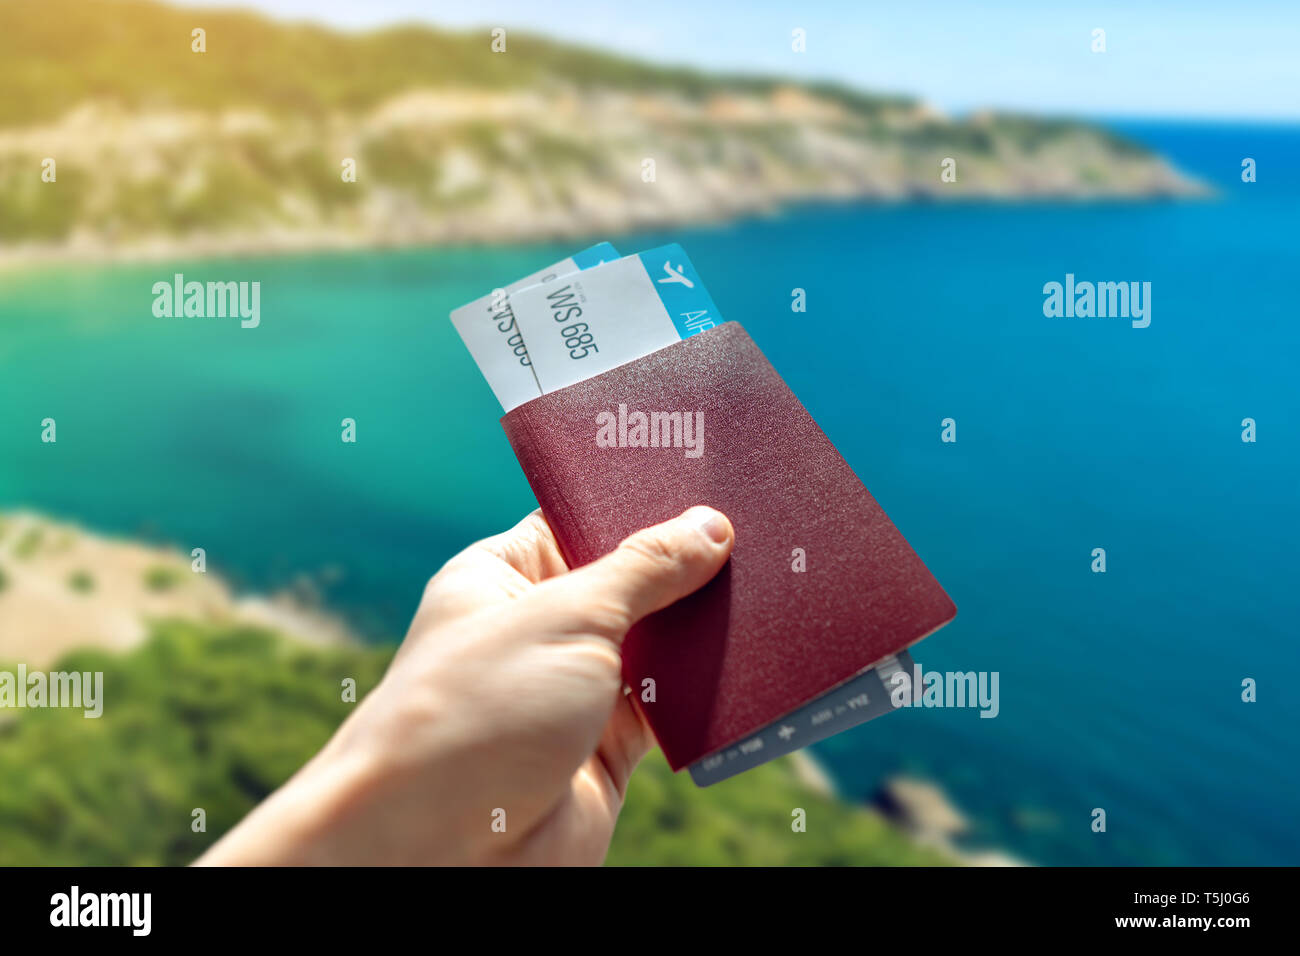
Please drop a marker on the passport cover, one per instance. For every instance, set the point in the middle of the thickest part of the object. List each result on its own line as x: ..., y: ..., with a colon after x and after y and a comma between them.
x: 761, y: 639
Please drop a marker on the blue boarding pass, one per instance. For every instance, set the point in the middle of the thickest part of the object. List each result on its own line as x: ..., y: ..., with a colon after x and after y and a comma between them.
x: 487, y: 327
x: 591, y: 321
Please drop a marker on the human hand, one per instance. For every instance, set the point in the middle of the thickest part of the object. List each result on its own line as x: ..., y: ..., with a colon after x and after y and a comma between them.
x: 506, y: 695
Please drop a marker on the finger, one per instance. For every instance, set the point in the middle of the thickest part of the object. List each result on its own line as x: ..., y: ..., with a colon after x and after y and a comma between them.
x: 626, y: 740
x: 471, y: 580
x: 529, y: 547
x: 500, y: 568
x: 648, y: 571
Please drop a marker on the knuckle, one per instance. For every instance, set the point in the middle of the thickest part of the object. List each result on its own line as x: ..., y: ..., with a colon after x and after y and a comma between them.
x: 589, y: 613
x: 432, y: 585
x: 608, y: 616
x: 445, y: 577
x: 653, y: 550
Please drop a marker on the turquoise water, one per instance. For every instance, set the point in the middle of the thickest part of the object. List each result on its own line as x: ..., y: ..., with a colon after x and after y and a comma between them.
x: 1118, y: 691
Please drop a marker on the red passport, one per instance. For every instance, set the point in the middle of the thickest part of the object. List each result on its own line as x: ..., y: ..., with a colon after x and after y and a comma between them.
x: 761, y: 639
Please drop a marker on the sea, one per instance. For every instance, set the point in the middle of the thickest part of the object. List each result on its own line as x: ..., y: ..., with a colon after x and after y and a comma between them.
x: 1119, y: 691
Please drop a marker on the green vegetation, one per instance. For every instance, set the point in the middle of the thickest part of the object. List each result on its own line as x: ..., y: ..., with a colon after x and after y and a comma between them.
x: 217, y: 718
x: 137, y: 53
x: 29, y: 543
x: 244, y: 143
x: 162, y: 577
x: 196, y: 717
x: 747, y: 820
x: 81, y: 581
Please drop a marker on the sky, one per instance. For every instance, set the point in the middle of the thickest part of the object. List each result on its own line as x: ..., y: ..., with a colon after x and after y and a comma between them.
x: 1191, y: 59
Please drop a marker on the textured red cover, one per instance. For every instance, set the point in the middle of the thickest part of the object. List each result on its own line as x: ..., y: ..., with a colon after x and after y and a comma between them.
x: 760, y: 639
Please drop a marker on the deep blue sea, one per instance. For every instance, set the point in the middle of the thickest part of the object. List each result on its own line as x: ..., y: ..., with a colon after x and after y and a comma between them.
x: 1118, y: 691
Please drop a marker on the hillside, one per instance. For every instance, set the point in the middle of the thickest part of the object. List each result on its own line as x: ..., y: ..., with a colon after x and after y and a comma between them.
x: 160, y: 149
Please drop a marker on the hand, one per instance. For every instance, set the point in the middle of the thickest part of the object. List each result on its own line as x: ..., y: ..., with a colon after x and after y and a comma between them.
x: 505, y: 697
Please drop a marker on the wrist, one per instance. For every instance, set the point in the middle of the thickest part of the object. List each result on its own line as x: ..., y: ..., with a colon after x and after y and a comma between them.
x: 305, y: 822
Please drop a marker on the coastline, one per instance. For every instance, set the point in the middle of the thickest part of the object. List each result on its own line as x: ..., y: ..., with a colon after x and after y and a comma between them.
x: 919, y: 808
x: 88, y: 251
x: 63, y: 588
x: 428, y: 165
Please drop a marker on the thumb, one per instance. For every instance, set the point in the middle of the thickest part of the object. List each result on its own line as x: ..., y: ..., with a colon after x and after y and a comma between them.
x: 648, y: 571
